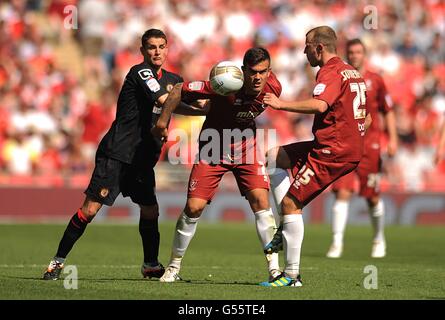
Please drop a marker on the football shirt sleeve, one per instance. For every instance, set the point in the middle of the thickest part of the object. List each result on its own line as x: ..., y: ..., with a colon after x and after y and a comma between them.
x: 194, y: 90
x: 328, y: 87
x: 147, y: 79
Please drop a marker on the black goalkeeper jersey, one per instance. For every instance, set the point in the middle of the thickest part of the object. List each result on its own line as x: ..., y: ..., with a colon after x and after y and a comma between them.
x: 136, y: 113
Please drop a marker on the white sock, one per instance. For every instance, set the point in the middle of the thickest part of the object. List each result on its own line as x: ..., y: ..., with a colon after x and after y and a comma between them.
x: 339, y: 218
x: 293, y: 233
x: 265, y: 228
x: 377, y: 214
x: 184, y: 232
x: 280, y: 184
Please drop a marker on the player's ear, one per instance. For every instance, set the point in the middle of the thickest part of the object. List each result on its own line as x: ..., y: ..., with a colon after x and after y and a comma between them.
x: 319, y: 48
x: 141, y: 49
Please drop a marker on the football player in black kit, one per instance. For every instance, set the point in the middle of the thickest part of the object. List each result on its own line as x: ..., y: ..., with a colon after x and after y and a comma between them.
x: 127, y: 154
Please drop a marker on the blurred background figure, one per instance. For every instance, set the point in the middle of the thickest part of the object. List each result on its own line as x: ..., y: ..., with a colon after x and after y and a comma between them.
x: 58, y: 81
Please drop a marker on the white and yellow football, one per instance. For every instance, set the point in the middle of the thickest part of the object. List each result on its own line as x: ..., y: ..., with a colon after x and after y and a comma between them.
x: 226, y: 78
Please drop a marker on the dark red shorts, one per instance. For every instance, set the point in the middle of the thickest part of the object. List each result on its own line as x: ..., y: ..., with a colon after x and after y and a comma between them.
x: 368, y: 173
x: 205, y: 178
x: 312, y: 175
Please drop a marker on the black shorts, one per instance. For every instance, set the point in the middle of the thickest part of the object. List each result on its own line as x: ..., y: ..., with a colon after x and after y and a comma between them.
x: 111, y: 177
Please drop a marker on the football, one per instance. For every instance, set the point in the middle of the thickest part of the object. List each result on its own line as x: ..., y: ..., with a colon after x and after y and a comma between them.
x: 226, y: 78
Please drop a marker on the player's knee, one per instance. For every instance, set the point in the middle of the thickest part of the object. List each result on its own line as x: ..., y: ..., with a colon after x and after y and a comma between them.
x: 149, y: 212
x: 291, y: 205
x: 372, y: 201
x: 259, y: 203
x: 193, y: 209
x: 89, y: 212
x: 90, y: 208
x: 343, y: 194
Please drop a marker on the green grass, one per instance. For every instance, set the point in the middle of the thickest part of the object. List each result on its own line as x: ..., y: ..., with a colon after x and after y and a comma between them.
x: 224, y: 261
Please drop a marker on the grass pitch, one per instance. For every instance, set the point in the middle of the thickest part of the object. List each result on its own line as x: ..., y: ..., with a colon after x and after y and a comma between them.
x: 224, y: 261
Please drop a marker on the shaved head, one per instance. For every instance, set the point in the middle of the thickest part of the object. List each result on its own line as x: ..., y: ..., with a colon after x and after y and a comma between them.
x: 323, y: 35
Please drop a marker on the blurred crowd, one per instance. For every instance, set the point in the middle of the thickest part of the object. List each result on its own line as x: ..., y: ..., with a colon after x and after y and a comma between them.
x: 62, y: 63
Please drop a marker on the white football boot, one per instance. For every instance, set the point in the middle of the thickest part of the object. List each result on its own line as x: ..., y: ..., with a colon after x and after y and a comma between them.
x: 335, y: 251
x: 378, y: 249
x: 171, y: 274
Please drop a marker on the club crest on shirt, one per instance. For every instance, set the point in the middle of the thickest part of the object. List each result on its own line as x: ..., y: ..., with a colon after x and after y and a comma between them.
x: 104, y: 192
x: 192, y: 186
x: 169, y: 87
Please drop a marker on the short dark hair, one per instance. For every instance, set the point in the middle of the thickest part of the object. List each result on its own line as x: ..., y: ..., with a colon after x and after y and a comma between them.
x: 253, y: 56
x: 353, y: 42
x: 324, y: 35
x: 152, y: 33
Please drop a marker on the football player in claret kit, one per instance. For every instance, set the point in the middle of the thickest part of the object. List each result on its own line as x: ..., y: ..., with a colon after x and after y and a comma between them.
x: 339, y: 105
x: 233, y: 112
x: 127, y: 154
x: 368, y: 171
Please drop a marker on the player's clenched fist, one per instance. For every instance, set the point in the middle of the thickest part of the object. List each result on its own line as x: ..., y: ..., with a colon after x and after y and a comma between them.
x: 160, y: 133
x: 271, y: 100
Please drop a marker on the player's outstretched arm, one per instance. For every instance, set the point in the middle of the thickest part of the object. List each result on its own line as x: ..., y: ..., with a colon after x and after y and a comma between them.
x: 390, y: 120
x: 309, y: 106
x: 169, y: 105
x: 197, y: 108
x: 440, y: 148
x: 368, y: 121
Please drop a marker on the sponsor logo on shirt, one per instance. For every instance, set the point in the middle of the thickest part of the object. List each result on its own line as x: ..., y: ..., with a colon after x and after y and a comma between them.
x: 157, y: 110
x: 196, y: 85
x: 319, y: 89
x: 153, y: 85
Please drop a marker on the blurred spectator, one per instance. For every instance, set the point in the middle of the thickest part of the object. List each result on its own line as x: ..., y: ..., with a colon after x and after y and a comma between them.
x: 58, y: 86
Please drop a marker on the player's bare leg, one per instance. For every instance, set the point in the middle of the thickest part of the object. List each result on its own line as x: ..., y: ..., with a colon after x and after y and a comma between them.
x: 184, y: 232
x: 149, y: 231
x: 73, y: 232
x: 293, y: 233
x: 278, y: 163
x: 339, y: 218
x: 265, y: 226
x: 377, y: 214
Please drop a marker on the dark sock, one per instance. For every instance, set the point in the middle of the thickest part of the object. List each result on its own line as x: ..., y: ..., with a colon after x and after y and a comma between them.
x: 73, y: 232
x: 148, y: 229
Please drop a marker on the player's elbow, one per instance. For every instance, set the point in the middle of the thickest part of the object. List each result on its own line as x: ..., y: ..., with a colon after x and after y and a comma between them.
x: 320, y: 106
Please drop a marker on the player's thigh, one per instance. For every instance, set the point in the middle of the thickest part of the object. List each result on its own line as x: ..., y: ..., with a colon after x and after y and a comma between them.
x: 252, y: 177
x: 369, y: 173
x: 315, y: 176
x: 277, y: 157
x: 104, y: 186
x: 344, y: 186
x: 139, y: 184
x: 204, y: 180
x: 297, y: 154
x: 258, y: 199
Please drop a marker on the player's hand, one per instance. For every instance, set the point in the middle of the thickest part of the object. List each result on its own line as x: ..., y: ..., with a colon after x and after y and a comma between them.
x: 438, y: 156
x: 160, y: 133
x: 392, y: 148
x: 271, y: 100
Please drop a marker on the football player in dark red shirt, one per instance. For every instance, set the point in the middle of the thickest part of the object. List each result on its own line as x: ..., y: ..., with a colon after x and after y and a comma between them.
x: 339, y: 105
x: 368, y: 171
x: 227, y: 114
